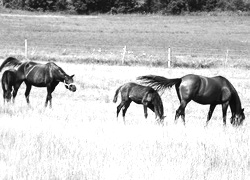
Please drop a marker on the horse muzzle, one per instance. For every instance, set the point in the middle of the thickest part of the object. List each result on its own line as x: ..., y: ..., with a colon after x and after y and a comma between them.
x: 237, y: 121
x: 71, y: 87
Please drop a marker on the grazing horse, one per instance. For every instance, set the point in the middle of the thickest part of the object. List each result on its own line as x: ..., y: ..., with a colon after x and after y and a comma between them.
x: 39, y: 75
x: 203, y: 90
x: 144, y: 95
x: 9, y: 81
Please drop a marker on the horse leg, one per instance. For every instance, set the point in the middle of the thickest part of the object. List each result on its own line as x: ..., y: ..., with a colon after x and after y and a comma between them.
x: 153, y: 108
x: 7, y: 93
x: 50, y: 89
x: 181, y: 111
x: 210, y: 112
x: 119, y: 107
x: 183, y: 103
x: 232, y: 119
x: 124, y: 110
x: 4, y: 96
x: 145, y: 111
x: 48, y: 98
x: 16, y: 87
x: 27, y: 92
x: 224, y: 112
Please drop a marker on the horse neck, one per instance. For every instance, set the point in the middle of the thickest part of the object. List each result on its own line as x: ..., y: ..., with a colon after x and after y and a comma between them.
x: 235, y: 103
x: 58, y: 73
x: 158, y: 104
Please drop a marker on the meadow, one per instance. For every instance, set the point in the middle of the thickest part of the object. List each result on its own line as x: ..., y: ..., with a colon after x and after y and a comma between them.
x: 80, y: 136
x: 196, y: 41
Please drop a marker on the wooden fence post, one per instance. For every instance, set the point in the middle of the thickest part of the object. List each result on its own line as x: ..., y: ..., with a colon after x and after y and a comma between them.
x: 123, y: 54
x: 169, y: 57
x: 26, y: 48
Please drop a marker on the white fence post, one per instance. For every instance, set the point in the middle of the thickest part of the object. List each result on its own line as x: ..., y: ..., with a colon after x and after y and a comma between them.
x: 226, y: 57
x: 169, y: 57
x: 26, y: 48
x: 123, y: 54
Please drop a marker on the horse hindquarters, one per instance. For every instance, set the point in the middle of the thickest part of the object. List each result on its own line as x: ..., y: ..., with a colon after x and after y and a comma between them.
x: 7, y: 83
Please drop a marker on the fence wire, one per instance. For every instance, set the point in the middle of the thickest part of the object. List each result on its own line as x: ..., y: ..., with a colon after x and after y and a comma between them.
x: 116, y: 53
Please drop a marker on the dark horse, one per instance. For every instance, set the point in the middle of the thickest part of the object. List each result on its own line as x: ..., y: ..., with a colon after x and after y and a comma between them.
x: 39, y: 75
x: 9, y: 80
x: 203, y: 90
x: 144, y: 95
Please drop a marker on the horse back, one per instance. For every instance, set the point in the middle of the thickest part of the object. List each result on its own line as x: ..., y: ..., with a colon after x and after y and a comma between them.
x: 206, y: 90
x: 134, y: 91
x: 36, y: 74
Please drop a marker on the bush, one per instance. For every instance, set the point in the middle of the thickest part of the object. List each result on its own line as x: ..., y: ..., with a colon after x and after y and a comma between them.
x: 80, y: 6
x: 176, y: 6
x: 61, y: 5
x: 129, y: 6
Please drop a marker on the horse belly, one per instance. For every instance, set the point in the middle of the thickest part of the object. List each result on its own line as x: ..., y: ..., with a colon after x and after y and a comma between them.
x: 209, y: 98
x: 136, y: 100
x: 206, y: 101
x: 38, y: 84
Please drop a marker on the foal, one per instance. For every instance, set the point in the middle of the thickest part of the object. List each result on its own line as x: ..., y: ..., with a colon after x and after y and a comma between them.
x: 144, y: 95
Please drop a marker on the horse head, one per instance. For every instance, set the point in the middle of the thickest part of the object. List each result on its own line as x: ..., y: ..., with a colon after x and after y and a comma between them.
x: 69, y: 83
x: 238, y: 119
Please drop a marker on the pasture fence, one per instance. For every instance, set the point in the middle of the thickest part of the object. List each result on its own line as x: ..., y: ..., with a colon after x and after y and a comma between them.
x: 169, y: 56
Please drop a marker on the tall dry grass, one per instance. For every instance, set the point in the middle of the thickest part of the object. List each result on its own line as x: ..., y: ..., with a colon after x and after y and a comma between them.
x: 80, y: 137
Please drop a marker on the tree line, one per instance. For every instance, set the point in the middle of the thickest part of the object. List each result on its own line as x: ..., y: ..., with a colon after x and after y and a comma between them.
x: 129, y: 6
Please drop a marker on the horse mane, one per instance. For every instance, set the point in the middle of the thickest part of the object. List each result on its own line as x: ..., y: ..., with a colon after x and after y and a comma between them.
x: 55, y: 68
x: 235, y: 100
x: 10, y: 61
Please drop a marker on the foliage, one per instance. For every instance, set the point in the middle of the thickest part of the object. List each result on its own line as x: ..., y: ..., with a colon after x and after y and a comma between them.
x: 129, y: 6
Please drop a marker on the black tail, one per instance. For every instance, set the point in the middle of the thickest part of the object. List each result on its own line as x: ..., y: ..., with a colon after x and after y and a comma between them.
x: 10, y: 62
x: 158, y: 82
x: 116, y: 94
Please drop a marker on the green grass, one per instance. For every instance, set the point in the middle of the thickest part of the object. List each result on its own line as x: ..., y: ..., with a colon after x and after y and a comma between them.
x: 80, y: 137
x: 101, y: 38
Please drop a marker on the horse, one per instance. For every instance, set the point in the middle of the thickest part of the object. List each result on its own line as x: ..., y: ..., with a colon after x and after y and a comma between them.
x: 139, y: 94
x: 202, y: 90
x: 9, y: 81
x: 39, y: 75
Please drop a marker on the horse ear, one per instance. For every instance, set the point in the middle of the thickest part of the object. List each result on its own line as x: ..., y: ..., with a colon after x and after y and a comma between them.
x: 72, y: 76
x: 242, y: 110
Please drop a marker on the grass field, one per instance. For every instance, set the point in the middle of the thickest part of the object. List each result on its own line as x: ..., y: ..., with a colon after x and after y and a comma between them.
x: 101, y: 38
x: 81, y: 138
